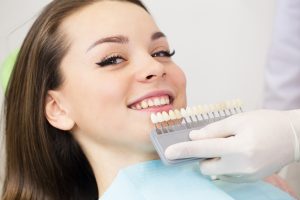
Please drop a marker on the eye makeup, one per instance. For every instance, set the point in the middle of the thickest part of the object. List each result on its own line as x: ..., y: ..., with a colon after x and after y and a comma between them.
x: 163, y: 53
x: 111, y: 60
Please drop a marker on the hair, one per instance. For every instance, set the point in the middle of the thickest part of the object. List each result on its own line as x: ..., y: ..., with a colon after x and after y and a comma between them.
x: 43, y: 162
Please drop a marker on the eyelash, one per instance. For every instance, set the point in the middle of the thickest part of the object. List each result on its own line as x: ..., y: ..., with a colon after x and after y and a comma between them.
x: 165, y: 53
x: 112, y: 60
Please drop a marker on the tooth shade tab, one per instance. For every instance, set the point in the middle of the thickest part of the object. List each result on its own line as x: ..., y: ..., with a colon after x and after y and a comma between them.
x: 195, y: 110
x: 223, y: 106
x: 153, y: 118
x: 159, y: 117
x: 165, y: 115
x: 205, y: 108
x: 200, y: 109
x: 218, y: 106
x: 238, y: 103
x: 212, y: 107
x: 228, y: 104
x: 183, y: 112
x: 172, y: 115
x: 177, y: 114
x: 189, y: 111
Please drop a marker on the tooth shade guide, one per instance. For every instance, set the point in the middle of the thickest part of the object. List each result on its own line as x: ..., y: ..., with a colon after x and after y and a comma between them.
x: 178, y: 127
x: 192, y: 116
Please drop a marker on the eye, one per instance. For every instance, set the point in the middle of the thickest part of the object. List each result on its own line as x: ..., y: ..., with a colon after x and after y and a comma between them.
x: 163, y: 54
x: 111, y: 60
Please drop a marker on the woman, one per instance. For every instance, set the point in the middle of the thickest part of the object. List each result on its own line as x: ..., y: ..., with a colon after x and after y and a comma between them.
x: 78, y: 103
x: 71, y: 101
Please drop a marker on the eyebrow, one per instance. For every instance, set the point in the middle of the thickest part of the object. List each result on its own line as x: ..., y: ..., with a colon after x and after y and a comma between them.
x: 121, y: 39
x: 157, y: 35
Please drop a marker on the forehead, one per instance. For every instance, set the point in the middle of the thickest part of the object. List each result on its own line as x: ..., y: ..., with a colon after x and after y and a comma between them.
x: 106, y: 18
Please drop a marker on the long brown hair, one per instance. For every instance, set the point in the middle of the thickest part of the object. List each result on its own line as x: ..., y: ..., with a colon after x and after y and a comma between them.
x: 43, y: 162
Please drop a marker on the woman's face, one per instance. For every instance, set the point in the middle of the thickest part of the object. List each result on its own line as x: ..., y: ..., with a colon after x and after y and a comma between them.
x: 117, y: 67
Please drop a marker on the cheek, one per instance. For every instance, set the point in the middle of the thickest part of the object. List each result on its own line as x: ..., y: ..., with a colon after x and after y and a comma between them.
x: 178, y: 78
x: 96, y: 101
x: 181, y: 77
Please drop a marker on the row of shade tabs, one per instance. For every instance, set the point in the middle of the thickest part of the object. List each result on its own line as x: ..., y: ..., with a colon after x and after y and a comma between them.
x: 200, y: 112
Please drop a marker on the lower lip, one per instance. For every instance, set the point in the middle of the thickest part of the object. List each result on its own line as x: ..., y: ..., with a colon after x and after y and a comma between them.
x: 158, y: 109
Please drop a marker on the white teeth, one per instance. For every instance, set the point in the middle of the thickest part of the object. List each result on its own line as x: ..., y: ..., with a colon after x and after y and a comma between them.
x: 133, y: 107
x: 162, y: 101
x: 167, y: 100
x: 156, y: 101
x: 150, y: 103
x: 144, y: 104
x: 138, y: 106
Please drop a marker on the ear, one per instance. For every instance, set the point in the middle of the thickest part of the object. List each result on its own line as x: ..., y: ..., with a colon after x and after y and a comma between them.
x: 56, y: 112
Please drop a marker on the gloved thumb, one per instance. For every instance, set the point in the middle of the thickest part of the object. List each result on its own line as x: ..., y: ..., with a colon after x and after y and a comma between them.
x: 219, y: 129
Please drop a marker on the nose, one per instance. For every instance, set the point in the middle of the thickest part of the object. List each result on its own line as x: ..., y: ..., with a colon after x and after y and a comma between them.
x: 150, y: 70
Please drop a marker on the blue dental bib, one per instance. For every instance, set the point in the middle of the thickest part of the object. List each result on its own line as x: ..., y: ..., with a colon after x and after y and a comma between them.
x: 154, y: 181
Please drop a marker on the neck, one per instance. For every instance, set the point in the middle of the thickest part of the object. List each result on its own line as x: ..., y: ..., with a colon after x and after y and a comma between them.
x: 106, y: 162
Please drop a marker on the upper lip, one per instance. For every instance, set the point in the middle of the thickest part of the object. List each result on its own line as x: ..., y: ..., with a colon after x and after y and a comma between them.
x: 156, y: 93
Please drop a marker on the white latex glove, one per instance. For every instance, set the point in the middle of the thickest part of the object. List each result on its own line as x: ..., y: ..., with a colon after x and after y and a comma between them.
x: 245, y: 147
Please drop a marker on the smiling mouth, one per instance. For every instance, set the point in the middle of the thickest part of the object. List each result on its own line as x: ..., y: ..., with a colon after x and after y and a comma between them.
x: 152, y: 102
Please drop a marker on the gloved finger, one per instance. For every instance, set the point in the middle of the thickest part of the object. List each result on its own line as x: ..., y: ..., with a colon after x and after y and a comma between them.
x: 213, y: 167
x: 237, y: 178
x: 209, y: 148
x: 220, y: 129
x: 227, y: 172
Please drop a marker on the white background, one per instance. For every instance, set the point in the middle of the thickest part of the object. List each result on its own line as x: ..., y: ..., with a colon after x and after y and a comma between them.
x: 221, y: 45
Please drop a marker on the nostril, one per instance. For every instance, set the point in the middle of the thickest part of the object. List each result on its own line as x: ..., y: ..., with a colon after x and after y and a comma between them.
x: 153, y: 75
x: 149, y: 77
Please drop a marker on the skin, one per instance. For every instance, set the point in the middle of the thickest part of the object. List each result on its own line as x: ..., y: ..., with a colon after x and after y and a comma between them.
x: 93, y: 102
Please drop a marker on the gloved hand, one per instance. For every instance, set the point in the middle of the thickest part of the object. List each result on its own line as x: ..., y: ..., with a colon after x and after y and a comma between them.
x: 244, y: 147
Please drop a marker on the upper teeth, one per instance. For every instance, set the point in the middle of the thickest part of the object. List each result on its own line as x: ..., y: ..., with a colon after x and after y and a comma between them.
x: 151, y: 102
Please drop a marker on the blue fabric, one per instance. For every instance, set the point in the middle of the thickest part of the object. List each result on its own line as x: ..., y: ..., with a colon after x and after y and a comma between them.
x: 154, y: 181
